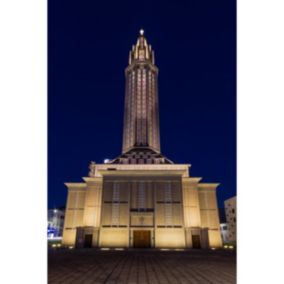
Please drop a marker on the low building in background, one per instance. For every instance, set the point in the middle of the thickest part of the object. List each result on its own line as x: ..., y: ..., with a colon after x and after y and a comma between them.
x: 230, y: 209
x: 55, y: 223
x: 224, y: 232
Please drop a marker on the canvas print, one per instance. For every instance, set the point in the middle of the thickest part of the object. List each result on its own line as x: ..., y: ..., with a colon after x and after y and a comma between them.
x: 142, y: 142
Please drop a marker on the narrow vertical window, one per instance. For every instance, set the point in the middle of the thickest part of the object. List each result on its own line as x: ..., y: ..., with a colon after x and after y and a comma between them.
x: 115, y: 205
x: 168, y: 205
x: 141, y: 204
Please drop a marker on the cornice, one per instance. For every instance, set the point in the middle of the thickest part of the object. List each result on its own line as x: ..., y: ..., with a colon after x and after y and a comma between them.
x: 75, y: 185
x: 92, y: 179
x: 145, y: 172
x: 192, y: 179
x: 208, y: 186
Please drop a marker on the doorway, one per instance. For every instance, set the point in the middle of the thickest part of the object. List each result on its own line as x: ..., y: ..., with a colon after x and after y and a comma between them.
x: 196, y: 241
x: 88, y: 241
x: 142, y: 239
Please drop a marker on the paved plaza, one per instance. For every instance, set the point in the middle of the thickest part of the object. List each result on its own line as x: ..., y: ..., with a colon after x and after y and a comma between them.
x: 141, y: 266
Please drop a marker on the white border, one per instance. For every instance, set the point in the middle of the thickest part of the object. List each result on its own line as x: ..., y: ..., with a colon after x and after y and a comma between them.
x: 23, y: 155
x: 260, y: 141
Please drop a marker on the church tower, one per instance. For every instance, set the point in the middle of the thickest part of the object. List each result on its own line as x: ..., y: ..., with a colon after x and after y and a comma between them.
x: 141, y: 112
x: 141, y: 130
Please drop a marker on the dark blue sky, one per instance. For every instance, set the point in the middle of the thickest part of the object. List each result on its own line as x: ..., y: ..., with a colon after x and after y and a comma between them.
x: 195, y: 48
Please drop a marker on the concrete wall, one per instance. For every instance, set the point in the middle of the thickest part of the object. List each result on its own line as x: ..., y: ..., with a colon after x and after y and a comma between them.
x: 191, y: 203
x: 74, y: 212
x: 114, y: 237
x: 93, y: 200
x: 169, y: 238
x: 209, y: 213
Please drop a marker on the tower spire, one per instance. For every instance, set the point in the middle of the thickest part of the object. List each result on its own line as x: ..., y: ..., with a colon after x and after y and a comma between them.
x: 141, y: 51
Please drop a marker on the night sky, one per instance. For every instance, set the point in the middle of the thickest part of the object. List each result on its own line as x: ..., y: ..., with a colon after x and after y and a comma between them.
x: 195, y: 49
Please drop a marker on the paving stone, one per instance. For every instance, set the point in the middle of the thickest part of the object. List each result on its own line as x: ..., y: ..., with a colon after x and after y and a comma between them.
x: 90, y: 266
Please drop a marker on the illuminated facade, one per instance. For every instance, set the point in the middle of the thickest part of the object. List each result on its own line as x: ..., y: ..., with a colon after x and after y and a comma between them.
x: 141, y: 198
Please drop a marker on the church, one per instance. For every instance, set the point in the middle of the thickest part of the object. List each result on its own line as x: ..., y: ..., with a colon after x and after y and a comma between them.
x: 141, y: 199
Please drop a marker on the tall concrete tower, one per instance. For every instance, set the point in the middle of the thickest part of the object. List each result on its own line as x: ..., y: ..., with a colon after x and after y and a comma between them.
x: 141, y: 130
x: 141, y: 113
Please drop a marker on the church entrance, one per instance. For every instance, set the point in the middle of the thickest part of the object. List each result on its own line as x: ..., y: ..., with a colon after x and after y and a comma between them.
x: 196, y: 241
x: 88, y: 241
x: 142, y: 239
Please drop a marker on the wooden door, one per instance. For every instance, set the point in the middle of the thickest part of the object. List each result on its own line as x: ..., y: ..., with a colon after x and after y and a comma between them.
x: 142, y: 239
